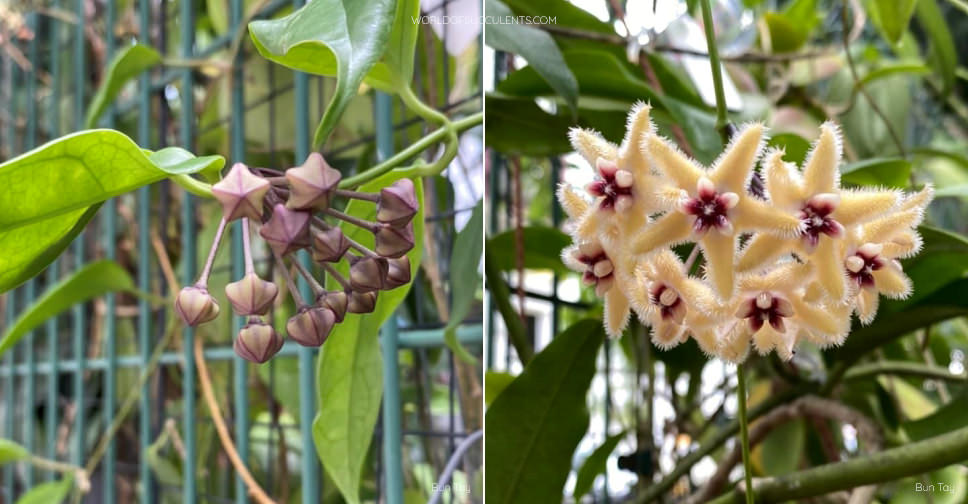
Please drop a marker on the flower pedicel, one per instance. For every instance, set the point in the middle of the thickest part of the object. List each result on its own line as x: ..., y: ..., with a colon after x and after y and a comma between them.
x: 815, y: 252
x: 288, y: 209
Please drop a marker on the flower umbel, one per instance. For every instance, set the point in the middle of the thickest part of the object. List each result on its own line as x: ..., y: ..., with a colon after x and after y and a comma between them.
x: 812, y: 251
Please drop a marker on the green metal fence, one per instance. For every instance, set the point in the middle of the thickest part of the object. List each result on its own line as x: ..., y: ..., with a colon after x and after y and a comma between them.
x: 66, y: 375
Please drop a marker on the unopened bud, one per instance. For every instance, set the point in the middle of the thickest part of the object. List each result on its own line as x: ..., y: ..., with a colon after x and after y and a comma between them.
x: 398, y: 203
x: 329, y: 245
x: 287, y: 230
x: 398, y: 273
x: 312, y: 184
x: 241, y: 193
x: 336, y: 301
x: 310, y: 326
x: 251, y: 295
x: 361, y: 302
x: 257, y: 341
x: 368, y: 273
x: 393, y: 241
x: 195, y: 305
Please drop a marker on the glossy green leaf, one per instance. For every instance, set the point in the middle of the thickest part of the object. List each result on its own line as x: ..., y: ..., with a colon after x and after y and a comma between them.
x: 93, y: 280
x: 595, y: 464
x: 781, y: 451
x: 947, y: 418
x: 126, y: 65
x: 177, y: 161
x: 567, y: 14
x: 465, y: 261
x: 403, y: 39
x: 52, y: 492
x: 795, y: 147
x: 535, y: 424
x: 891, y: 17
x: 494, y: 383
x: 960, y: 191
x: 29, y: 249
x: 519, y: 126
x: 11, y: 452
x: 943, y: 56
x: 94, y: 164
x: 344, y: 38
x: 543, y: 246
x: 534, y: 45
x: 890, y: 172
x: 791, y: 28
x: 909, y: 67
x: 349, y: 378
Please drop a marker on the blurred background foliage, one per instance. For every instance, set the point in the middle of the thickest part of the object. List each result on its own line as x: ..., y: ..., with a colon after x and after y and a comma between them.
x: 893, y: 74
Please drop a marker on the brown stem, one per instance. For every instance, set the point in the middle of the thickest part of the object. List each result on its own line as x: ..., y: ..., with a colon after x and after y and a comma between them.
x: 345, y: 193
x: 313, y: 283
x: 205, y: 383
x: 340, y: 279
x: 290, y: 284
x: 356, y: 221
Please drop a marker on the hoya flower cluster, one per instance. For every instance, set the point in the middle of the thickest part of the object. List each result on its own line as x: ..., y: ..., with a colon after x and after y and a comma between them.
x: 782, y: 263
x: 289, y: 209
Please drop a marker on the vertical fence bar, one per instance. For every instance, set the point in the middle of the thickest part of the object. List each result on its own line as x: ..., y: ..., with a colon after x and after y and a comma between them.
x: 392, y: 435
x: 311, y: 489
x: 109, y: 217
x: 144, y: 270
x: 188, y: 249
x: 240, y: 368
x: 78, y: 315
x: 50, y: 421
x: 30, y: 290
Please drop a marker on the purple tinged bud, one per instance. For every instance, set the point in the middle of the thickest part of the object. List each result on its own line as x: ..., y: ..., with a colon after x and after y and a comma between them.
x: 393, y: 241
x: 287, y: 230
x: 336, y: 301
x: 312, y: 184
x: 361, y: 302
x: 329, y: 245
x: 398, y: 273
x: 311, y: 325
x: 368, y: 273
x: 196, y: 306
x: 398, y: 203
x: 241, y: 193
x: 251, y: 295
x: 257, y: 341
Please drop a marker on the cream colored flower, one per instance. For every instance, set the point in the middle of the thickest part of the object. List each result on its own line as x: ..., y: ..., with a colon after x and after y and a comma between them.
x: 624, y: 187
x: 610, y: 278
x: 674, y: 304
x: 824, y: 209
x: 711, y: 207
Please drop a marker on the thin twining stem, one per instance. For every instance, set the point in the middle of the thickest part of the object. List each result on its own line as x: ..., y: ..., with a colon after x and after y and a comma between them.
x: 207, y: 270
x: 336, y: 275
x: 356, y: 221
x: 313, y: 283
x: 247, y: 247
x: 290, y: 283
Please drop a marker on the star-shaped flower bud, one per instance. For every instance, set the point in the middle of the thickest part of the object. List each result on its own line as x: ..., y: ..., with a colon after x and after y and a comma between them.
x: 311, y: 325
x: 251, y: 295
x: 257, y: 341
x: 368, y: 274
x: 361, y: 302
x: 311, y: 185
x: 241, y: 193
x: 711, y: 207
x: 287, y: 230
x: 398, y: 203
x: 824, y: 209
x: 398, y: 273
x: 336, y: 301
x: 195, y: 305
x: 329, y: 245
x: 393, y: 241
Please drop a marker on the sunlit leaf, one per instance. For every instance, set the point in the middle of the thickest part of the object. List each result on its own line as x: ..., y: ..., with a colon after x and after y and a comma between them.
x: 93, y: 280
x: 891, y: 17
x: 494, y: 383
x: 890, y: 172
x: 126, y: 65
x: 349, y: 379
x: 52, y: 492
x: 11, y: 452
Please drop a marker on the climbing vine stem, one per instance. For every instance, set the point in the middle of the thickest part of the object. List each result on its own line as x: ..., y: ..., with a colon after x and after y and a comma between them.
x: 744, y: 435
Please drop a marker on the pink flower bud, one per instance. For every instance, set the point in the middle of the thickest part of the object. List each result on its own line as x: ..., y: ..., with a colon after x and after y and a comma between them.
x: 398, y: 273
x: 195, y: 305
x: 257, y: 341
x: 329, y: 245
x: 241, y: 193
x: 393, y: 241
x: 398, y: 203
x: 336, y: 301
x: 251, y: 295
x: 312, y: 184
x: 287, y: 230
x: 368, y: 273
x: 361, y: 302
x: 311, y: 326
